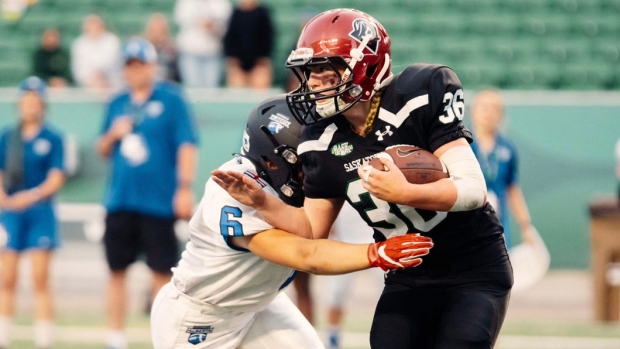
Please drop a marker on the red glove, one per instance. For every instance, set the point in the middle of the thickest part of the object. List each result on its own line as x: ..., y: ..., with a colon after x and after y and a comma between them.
x: 399, y: 252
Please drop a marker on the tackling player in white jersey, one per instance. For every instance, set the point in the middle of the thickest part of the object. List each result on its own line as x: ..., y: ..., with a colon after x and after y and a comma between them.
x: 225, y: 292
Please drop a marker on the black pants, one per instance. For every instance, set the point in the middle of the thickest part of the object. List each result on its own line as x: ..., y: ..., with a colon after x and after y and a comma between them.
x: 458, y: 310
x: 130, y: 234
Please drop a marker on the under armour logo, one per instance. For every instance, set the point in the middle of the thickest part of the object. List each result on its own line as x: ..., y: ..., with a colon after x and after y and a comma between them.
x: 381, y: 134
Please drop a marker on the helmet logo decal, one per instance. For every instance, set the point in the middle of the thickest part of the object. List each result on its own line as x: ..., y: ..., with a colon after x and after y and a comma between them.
x: 275, y: 127
x: 246, y: 142
x: 300, y: 55
x: 278, y: 122
x: 361, y: 28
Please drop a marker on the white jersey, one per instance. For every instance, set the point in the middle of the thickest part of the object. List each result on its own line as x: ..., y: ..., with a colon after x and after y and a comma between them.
x: 215, y: 272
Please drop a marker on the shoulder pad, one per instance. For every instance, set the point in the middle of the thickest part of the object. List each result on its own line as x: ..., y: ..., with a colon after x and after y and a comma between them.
x: 313, y: 132
x: 415, y: 77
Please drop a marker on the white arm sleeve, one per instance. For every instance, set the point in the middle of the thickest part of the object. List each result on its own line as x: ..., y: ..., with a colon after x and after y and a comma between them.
x: 467, y: 177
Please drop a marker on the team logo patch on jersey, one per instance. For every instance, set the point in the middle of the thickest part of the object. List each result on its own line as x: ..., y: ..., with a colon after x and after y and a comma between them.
x: 361, y: 28
x: 198, y: 334
x: 503, y: 153
x: 342, y: 149
x: 255, y: 177
x: 42, y: 147
x: 154, y: 109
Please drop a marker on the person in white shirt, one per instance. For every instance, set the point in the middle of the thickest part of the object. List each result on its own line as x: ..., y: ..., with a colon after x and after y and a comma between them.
x: 95, y: 56
x: 226, y: 290
x: 202, y: 25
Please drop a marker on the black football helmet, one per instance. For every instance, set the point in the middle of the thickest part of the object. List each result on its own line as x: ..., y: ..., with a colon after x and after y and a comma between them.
x: 270, y: 141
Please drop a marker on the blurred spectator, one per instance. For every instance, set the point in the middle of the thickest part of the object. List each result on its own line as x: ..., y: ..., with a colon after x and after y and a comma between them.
x: 158, y: 33
x: 51, y: 60
x: 31, y: 172
x: 150, y: 138
x: 202, y: 24
x: 13, y: 10
x: 248, y: 45
x: 94, y: 55
x: 498, y: 160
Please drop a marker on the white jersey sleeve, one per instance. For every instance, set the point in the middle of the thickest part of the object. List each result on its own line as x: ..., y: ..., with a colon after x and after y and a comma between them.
x: 214, y: 271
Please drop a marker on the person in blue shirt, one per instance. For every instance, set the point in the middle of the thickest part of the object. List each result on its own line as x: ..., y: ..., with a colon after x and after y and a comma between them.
x: 150, y: 137
x: 498, y: 159
x: 31, y: 172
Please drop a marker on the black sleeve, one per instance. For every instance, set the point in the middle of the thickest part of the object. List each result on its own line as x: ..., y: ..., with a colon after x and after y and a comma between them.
x: 320, y: 178
x: 447, y: 108
x: 316, y: 184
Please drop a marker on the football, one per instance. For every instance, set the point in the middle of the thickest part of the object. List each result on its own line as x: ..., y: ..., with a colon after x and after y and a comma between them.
x: 418, y: 165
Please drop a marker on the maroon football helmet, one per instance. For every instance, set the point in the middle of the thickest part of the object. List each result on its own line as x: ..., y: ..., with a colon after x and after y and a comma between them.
x: 355, y: 46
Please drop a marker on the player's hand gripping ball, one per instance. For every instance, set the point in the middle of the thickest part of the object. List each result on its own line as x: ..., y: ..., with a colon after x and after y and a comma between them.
x: 419, y: 166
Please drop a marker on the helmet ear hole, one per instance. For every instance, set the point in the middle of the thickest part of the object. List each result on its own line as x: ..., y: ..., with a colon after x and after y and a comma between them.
x: 268, y: 163
x: 371, y: 71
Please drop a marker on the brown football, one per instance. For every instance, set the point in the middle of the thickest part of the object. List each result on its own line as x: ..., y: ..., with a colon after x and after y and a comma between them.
x: 418, y: 165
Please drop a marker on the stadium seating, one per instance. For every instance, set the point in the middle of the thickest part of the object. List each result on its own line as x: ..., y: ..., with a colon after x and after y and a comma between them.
x: 513, y: 44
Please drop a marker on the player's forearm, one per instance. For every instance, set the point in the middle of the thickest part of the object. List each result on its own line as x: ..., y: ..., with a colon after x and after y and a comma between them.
x: 326, y: 257
x: 312, y: 256
x: 285, y: 217
x: 436, y: 196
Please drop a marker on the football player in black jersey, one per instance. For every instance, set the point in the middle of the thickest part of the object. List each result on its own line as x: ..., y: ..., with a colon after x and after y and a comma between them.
x: 354, y: 108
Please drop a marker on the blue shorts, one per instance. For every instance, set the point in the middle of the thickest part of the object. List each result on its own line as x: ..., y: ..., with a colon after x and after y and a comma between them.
x: 34, y: 228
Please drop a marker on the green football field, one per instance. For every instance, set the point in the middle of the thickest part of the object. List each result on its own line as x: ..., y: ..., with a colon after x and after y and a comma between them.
x: 85, y: 331
x: 556, y: 313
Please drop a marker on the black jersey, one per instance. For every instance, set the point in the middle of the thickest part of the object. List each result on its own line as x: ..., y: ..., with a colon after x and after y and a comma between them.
x: 423, y: 106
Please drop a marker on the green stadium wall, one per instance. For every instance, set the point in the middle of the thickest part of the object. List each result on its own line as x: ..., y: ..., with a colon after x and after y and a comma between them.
x: 565, y: 141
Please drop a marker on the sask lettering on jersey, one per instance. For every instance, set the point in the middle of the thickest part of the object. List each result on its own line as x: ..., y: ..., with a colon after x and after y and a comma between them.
x: 355, y: 164
x: 413, y: 109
